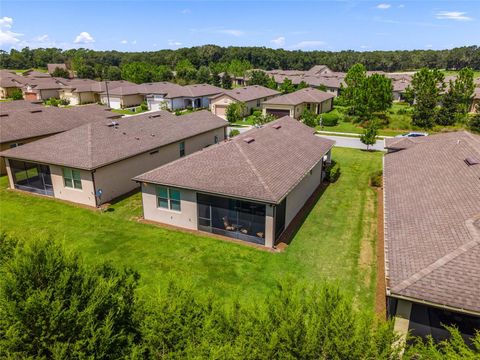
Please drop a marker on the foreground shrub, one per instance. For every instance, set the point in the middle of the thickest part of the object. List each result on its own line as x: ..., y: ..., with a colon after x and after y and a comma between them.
x: 295, y: 322
x: 233, y: 133
x: 53, y: 306
x: 330, y: 119
x: 376, y: 179
x: 333, y: 171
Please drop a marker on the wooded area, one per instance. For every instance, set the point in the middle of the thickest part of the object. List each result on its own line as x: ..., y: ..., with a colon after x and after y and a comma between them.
x: 258, y: 57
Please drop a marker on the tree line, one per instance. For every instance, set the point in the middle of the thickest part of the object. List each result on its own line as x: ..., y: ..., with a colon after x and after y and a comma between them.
x: 54, y: 306
x: 258, y: 57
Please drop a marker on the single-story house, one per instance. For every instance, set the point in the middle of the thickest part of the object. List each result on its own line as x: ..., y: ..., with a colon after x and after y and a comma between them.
x: 31, y: 73
x: 399, y: 88
x: 319, y: 70
x: 95, y: 163
x: 252, y: 96
x: 249, y: 187
x: 10, y: 82
x: 122, y: 97
x: 23, y: 121
x: 432, y: 233
x: 295, y: 103
x: 52, y: 67
x: 85, y: 91
x: 41, y: 89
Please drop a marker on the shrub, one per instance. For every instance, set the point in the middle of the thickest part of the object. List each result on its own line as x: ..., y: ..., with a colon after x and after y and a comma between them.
x: 52, y: 102
x: 330, y: 119
x: 233, y: 133
x: 54, y: 306
x: 144, y: 106
x: 333, y: 171
x: 376, y: 179
x: 16, y: 95
x: 474, y: 122
x: 256, y: 112
x: 64, y: 102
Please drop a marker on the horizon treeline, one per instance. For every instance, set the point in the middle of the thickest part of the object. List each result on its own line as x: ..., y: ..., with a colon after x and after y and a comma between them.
x: 258, y: 57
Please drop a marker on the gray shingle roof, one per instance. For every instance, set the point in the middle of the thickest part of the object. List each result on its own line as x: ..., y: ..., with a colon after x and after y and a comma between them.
x: 23, y: 119
x: 248, y: 93
x: 265, y: 169
x: 306, y: 95
x: 432, y: 220
x: 96, y: 144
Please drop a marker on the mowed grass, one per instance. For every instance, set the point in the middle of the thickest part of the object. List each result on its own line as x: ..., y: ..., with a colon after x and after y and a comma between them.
x: 336, y: 242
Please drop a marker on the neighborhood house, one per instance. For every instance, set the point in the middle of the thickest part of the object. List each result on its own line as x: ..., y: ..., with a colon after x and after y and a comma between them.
x: 432, y: 232
x: 249, y: 187
x: 94, y: 163
x: 252, y: 96
x: 294, y: 104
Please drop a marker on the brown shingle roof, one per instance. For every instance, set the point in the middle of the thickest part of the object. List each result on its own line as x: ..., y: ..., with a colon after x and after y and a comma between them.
x: 432, y: 220
x: 307, y: 95
x: 97, y: 144
x: 51, y: 67
x: 248, y: 93
x: 265, y: 169
x: 22, y: 119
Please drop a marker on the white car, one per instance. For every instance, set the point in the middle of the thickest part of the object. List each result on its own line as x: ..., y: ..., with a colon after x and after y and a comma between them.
x: 412, y: 134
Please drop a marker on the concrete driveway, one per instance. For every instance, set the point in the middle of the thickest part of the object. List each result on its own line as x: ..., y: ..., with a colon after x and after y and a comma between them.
x: 351, y: 142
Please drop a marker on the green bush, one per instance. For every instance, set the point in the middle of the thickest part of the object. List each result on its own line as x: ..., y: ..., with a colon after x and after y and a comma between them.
x: 330, y: 119
x: 333, y: 171
x: 256, y: 113
x: 16, y: 95
x: 233, y: 133
x: 376, y: 179
x: 64, y: 102
x: 474, y: 122
x: 144, y: 106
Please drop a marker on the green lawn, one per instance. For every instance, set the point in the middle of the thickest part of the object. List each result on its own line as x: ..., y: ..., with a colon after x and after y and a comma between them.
x: 336, y: 242
x: 138, y: 110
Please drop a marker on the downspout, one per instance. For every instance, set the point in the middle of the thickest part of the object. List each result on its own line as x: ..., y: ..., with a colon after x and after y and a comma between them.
x: 94, y: 188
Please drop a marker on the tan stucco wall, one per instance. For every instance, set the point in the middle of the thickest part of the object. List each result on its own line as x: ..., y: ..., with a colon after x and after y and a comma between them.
x: 131, y: 100
x: 84, y: 196
x: 47, y: 94
x: 186, y: 218
x: 116, y: 179
x: 78, y: 98
x: 225, y: 100
x: 300, y: 194
x: 6, y: 92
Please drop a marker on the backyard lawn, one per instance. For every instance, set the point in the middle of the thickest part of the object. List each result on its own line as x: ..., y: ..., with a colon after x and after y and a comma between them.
x: 336, y: 243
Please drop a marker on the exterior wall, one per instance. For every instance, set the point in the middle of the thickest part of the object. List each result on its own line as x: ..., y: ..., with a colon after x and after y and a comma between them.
x: 120, y: 102
x: 155, y: 102
x: 6, y: 146
x: 186, y: 218
x: 300, y: 194
x: 84, y: 196
x: 250, y: 105
x: 6, y: 92
x: 280, y: 107
x: 116, y: 179
x: 47, y: 94
x: 72, y: 97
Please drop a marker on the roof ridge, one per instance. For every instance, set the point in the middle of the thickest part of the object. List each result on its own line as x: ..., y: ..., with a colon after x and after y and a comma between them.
x: 255, y: 170
x: 444, y: 259
x: 89, y: 144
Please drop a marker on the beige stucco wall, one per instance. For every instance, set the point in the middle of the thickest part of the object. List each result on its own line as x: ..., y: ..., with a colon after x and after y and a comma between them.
x: 300, y: 194
x: 6, y: 92
x: 186, y: 218
x: 116, y: 179
x: 225, y: 100
x: 84, y: 196
x: 47, y: 94
x: 78, y: 98
x: 131, y: 100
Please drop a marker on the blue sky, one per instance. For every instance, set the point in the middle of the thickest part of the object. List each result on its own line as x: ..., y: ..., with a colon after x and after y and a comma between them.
x: 305, y: 25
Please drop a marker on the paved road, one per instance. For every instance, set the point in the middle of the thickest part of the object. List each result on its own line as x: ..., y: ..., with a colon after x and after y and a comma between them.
x: 342, y: 141
x: 241, y: 129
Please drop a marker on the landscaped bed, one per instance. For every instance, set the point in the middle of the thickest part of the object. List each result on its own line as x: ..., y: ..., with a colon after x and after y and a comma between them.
x: 336, y: 242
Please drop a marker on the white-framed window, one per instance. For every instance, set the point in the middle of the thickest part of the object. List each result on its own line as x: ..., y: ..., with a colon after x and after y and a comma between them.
x: 182, y: 148
x: 72, y: 178
x: 168, y: 198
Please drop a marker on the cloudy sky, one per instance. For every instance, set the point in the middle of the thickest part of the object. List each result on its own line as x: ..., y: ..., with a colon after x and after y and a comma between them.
x: 306, y: 25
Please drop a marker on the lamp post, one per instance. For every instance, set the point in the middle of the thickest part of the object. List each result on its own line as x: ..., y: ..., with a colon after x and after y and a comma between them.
x: 108, y: 95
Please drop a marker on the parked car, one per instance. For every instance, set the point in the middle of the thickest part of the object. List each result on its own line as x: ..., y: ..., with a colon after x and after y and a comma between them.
x: 413, y: 134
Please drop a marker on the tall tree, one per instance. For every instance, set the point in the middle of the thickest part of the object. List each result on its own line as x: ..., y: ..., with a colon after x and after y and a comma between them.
x: 427, y: 87
x: 203, y: 75
x: 60, y: 72
x: 163, y: 73
x: 138, y: 72
x: 287, y: 86
x: 113, y: 73
x: 227, y: 81
x: 258, y: 77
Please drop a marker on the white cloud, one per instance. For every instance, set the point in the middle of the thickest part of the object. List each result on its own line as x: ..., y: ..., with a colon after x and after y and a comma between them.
x: 174, y: 43
x: 280, y: 41
x: 8, y: 37
x: 364, y: 46
x: 384, y: 6
x: 453, y: 15
x: 124, y: 42
x: 186, y: 11
x: 84, y: 38
x: 308, y: 44
x: 42, y: 38
x: 232, y: 32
